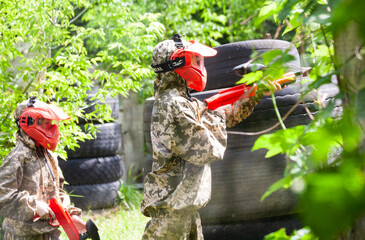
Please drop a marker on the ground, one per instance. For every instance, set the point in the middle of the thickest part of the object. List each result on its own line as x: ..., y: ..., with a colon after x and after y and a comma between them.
x: 117, y: 223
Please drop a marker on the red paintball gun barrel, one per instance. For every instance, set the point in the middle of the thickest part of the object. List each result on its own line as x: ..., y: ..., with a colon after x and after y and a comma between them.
x: 231, y: 95
x: 64, y: 220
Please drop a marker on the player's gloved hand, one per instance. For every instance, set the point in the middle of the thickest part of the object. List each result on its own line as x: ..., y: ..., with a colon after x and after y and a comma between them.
x: 43, y: 210
x: 273, y: 86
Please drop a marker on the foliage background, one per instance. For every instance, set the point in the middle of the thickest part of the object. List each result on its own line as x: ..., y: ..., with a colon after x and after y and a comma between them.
x: 61, y: 50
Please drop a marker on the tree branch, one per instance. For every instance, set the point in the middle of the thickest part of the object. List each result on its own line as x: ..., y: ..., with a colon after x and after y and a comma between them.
x: 270, y: 128
x: 82, y: 12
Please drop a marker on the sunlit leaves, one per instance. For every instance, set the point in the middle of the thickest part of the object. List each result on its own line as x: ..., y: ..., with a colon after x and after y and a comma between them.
x: 251, y: 78
x: 124, y: 44
x: 43, y: 53
x: 295, y: 21
x: 210, y: 22
x: 282, y: 183
x: 274, y: 62
x: 320, y: 138
x: 279, y: 142
x: 319, y: 14
x: 270, y: 9
x: 288, y: 7
x: 301, y: 234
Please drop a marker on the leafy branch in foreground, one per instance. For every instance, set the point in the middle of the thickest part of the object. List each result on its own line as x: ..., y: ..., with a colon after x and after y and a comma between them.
x: 325, y: 159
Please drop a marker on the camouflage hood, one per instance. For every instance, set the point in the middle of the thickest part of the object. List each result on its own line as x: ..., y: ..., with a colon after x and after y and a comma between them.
x: 23, y: 105
x: 169, y: 80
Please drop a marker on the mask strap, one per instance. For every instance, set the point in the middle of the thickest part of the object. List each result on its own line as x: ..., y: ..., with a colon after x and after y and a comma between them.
x: 188, y: 94
x: 171, y: 64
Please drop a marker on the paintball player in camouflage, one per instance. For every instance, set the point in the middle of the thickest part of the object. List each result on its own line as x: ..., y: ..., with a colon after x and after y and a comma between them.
x: 186, y: 138
x: 30, y: 175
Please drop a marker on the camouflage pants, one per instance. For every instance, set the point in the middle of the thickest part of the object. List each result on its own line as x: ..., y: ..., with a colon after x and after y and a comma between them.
x: 55, y: 235
x: 186, y: 226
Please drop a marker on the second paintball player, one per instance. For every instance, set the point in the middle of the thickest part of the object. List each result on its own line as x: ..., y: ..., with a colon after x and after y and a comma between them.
x: 30, y: 176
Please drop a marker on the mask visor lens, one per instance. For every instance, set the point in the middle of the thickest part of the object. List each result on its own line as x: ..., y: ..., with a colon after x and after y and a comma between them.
x: 198, y: 62
x: 48, y: 127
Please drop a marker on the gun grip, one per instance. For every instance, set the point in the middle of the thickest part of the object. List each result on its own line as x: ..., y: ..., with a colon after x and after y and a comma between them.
x: 91, y: 231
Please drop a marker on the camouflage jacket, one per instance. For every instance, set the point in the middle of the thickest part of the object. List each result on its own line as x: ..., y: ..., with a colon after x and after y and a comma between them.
x: 25, y: 178
x: 186, y: 138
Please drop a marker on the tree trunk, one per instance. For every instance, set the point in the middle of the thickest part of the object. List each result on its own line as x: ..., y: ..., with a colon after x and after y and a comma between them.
x: 350, y: 58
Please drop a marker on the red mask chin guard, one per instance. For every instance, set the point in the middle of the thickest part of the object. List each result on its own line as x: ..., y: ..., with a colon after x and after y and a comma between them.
x: 194, y: 71
x: 41, y: 124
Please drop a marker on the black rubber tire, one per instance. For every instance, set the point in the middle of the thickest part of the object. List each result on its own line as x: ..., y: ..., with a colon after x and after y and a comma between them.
x: 220, y: 67
x: 92, y: 170
x: 251, y: 230
x: 113, y: 102
x: 107, y: 143
x: 94, y: 196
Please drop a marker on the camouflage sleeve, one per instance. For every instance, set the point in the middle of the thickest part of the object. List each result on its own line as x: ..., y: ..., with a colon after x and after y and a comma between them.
x: 240, y: 110
x: 18, y: 205
x: 197, y: 138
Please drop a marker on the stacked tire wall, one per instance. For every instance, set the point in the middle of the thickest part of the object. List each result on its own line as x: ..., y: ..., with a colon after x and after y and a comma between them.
x: 239, y: 181
x: 94, y: 170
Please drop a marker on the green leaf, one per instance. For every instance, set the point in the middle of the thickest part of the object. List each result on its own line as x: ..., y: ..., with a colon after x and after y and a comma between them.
x: 281, y: 183
x: 278, y: 235
x: 287, y: 7
x: 251, y: 77
x: 320, y: 14
x: 321, y: 138
x: 269, y: 10
x: 332, y: 200
x: 281, y: 141
x: 301, y: 234
x: 270, y: 56
x: 295, y: 21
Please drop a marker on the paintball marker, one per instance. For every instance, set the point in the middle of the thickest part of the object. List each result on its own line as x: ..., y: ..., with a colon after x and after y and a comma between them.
x: 64, y: 219
x: 231, y: 95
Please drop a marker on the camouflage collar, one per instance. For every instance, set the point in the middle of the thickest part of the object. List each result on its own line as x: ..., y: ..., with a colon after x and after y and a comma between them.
x: 169, y: 80
x: 22, y: 136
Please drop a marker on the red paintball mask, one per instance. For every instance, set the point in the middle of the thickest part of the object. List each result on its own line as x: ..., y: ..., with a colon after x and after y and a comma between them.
x: 188, y: 62
x: 41, y: 124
